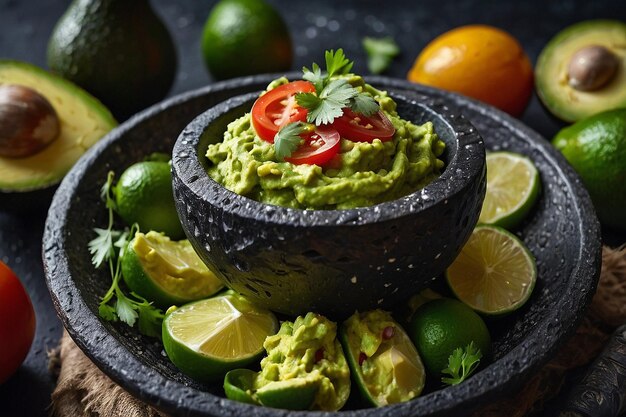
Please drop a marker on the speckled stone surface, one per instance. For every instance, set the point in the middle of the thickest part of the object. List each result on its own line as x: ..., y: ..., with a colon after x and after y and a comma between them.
x: 562, y: 232
x: 330, y: 261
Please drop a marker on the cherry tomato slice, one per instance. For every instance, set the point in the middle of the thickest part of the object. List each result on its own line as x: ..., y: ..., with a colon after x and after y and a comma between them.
x: 359, y: 128
x: 319, y: 147
x: 278, y: 107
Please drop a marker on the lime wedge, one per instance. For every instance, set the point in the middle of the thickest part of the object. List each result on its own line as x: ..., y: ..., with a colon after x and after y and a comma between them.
x: 494, y: 273
x: 208, y: 338
x: 166, y: 272
x: 512, y: 189
x: 383, y: 361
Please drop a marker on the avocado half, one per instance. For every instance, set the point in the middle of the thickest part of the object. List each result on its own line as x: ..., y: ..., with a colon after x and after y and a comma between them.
x: 83, y: 121
x: 552, y: 78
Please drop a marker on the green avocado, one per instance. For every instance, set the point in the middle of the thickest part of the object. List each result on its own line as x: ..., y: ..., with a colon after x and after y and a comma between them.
x: 118, y: 50
x: 83, y: 121
x: 582, y: 70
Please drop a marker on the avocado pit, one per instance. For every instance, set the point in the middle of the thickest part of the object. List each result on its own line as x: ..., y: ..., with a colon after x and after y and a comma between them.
x: 28, y: 122
x: 591, y: 68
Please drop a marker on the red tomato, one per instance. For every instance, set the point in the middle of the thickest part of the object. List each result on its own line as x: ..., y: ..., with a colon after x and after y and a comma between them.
x: 278, y: 107
x: 361, y: 128
x: 17, y: 323
x: 318, y: 148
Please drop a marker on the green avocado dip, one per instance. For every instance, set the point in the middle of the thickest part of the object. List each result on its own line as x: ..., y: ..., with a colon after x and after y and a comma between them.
x: 307, y: 353
x: 384, y: 362
x: 361, y: 173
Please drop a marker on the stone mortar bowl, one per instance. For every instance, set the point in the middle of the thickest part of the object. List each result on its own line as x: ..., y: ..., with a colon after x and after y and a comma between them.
x: 329, y: 261
x: 562, y: 232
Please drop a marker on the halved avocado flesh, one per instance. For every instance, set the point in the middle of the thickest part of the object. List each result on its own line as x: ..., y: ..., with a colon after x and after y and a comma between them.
x: 551, y: 72
x: 84, y: 120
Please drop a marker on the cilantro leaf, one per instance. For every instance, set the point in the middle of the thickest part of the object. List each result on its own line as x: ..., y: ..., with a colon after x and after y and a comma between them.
x: 461, y: 364
x: 364, y: 104
x: 308, y: 100
x: 330, y: 103
x: 314, y: 76
x: 124, y: 309
x: 107, y: 312
x: 101, y: 247
x: 288, y: 139
x: 380, y: 53
x: 337, y: 63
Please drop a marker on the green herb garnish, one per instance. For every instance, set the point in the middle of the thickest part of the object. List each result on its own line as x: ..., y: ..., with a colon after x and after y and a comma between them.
x: 333, y: 95
x: 288, y: 139
x: 380, y: 53
x: 461, y: 364
x: 109, y: 246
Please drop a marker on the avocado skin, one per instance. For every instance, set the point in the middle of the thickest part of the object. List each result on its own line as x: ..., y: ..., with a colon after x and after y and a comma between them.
x: 118, y: 50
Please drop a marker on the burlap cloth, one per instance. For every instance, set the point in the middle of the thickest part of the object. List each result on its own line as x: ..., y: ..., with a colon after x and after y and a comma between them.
x: 83, y: 390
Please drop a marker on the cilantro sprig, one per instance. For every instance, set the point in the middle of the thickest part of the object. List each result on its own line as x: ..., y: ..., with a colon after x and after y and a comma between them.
x: 109, y: 246
x: 461, y: 364
x: 332, y: 95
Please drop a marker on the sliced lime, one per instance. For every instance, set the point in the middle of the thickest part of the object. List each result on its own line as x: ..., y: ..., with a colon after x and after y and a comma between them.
x: 383, y: 361
x: 166, y: 272
x: 494, y: 273
x: 208, y: 338
x: 512, y: 189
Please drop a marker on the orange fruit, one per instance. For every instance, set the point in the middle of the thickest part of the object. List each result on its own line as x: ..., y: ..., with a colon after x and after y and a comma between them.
x: 478, y: 61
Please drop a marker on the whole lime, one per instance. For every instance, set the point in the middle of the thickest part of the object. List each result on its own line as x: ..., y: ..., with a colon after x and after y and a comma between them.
x: 244, y: 37
x: 443, y: 325
x: 144, y: 196
x: 596, y: 148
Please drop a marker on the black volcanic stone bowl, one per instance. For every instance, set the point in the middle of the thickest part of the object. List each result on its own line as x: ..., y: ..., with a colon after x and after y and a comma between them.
x: 329, y: 261
x: 562, y: 232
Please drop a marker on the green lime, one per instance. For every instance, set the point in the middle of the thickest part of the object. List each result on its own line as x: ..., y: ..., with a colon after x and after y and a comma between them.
x: 207, y: 338
x: 239, y: 385
x: 512, y: 189
x: 443, y: 325
x: 494, y: 273
x: 244, y: 37
x: 596, y: 148
x: 292, y: 394
x: 166, y: 272
x: 144, y: 196
x: 383, y: 361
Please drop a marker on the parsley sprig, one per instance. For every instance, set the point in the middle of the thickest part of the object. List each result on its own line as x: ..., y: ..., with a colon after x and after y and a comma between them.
x: 461, y: 364
x: 332, y: 95
x: 109, y: 246
x: 288, y: 138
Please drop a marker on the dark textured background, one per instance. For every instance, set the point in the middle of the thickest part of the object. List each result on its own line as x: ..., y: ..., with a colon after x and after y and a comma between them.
x: 25, y: 26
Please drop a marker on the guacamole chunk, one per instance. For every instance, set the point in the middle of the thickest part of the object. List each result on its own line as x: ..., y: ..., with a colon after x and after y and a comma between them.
x: 307, y: 352
x: 384, y: 361
x: 362, y: 174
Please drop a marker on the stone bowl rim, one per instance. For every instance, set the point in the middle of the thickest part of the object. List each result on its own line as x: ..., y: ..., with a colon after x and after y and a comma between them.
x: 147, y: 384
x: 460, y: 170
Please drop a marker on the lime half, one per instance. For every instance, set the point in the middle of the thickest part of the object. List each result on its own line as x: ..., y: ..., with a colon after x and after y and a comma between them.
x: 208, y: 338
x: 512, y: 189
x: 494, y: 273
x: 166, y: 272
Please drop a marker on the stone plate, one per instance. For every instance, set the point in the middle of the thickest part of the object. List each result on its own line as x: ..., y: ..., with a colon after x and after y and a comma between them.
x: 562, y: 232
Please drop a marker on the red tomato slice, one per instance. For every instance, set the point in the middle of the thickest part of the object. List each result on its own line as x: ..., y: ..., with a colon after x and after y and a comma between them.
x: 361, y: 128
x: 278, y: 107
x: 319, y: 147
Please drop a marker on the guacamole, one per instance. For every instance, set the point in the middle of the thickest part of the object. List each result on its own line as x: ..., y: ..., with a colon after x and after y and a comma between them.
x: 384, y: 361
x: 362, y: 173
x: 307, y: 352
